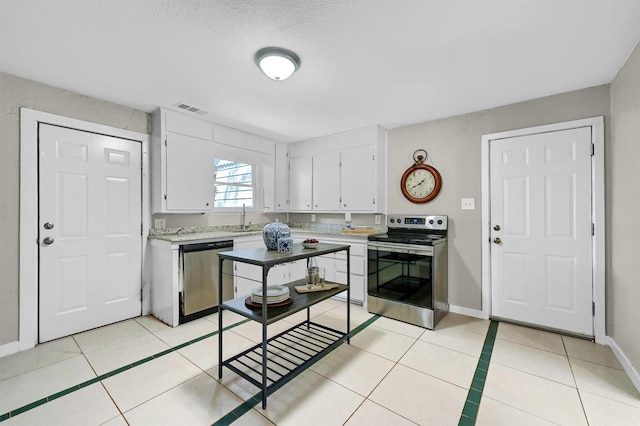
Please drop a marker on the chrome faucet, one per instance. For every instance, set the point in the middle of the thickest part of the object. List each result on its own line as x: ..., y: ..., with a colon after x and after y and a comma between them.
x: 244, y: 217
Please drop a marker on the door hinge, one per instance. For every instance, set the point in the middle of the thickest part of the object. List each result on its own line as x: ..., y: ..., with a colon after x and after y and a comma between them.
x: 593, y: 308
x: 374, y: 201
x: 593, y: 149
x: 141, y: 229
x: 374, y: 157
x: 165, y: 196
x: 593, y: 229
x: 165, y: 141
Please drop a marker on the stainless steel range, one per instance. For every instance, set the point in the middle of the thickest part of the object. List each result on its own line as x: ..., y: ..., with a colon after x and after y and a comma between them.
x: 407, y: 277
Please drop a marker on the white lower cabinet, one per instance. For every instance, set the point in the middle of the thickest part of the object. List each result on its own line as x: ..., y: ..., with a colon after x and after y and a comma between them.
x: 166, y: 281
x: 336, y: 264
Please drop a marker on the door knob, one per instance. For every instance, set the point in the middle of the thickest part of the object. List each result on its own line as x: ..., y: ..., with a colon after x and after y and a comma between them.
x: 497, y: 240
x: 497, y: 228
x: 48, y: 225
x: 47, y: 240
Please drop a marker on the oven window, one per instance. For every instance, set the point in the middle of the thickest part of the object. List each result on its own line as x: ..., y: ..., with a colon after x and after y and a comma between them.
x: 401, y: 277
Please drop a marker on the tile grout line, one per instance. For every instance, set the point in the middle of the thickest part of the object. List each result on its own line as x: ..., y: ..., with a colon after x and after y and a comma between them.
x: 256, y: 399
x: 472, y: 403
x: 112, y: 373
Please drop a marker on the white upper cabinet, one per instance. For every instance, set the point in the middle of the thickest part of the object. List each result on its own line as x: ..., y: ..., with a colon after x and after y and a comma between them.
x: 300, y: 187
x: 358, y: 179
x: 326, y: 182
x: 268, y: 181
x: 348, y: 172
x: 182, y: 155
x: 281, y: 177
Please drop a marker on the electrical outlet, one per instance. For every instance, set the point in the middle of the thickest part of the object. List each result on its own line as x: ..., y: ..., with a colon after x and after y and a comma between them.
x: 468, y: 204
x: 159, y: 223
x: 313, y: 218
x: 377, y: 219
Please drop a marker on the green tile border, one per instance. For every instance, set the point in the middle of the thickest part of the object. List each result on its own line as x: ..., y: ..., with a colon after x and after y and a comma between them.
x: 104, y: 376
x: 472, y: 403
x: 256, y: 399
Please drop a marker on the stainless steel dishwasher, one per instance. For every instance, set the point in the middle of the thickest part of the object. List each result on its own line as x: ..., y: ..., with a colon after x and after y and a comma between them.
x: 199, y: 295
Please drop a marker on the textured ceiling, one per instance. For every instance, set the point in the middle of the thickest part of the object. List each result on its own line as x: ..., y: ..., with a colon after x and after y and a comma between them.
x: 390, y: 62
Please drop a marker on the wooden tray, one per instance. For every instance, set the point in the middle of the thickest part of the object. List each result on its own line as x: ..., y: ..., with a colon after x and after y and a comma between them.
x: 304, y: 289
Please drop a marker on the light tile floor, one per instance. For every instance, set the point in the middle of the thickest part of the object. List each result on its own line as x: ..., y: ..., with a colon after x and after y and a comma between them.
x: 392, y: 373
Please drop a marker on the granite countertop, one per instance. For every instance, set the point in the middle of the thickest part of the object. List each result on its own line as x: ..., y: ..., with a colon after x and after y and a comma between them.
x: 194, y: 233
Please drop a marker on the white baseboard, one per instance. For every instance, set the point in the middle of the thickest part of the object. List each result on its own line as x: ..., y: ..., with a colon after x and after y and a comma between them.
x: 465, y: 311
x: 626, y: 364
x: 9, y: 348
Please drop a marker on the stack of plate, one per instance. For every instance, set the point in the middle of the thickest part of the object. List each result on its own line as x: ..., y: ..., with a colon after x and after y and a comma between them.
x: 275, y: 294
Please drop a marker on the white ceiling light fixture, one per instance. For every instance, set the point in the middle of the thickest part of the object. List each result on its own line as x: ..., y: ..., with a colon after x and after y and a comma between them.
x: 277, y: 63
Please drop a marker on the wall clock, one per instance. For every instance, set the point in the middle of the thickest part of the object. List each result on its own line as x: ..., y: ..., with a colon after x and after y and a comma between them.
x: 420, y: 183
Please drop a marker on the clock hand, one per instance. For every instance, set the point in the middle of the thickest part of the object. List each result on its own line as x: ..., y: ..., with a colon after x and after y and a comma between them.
x: 419, y: 183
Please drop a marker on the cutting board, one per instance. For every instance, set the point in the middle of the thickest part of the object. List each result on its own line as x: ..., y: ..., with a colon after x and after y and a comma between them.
x: 358, y: 231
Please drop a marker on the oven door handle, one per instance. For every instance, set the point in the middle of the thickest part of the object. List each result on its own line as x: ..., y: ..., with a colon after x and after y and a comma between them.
x: 401, y: 248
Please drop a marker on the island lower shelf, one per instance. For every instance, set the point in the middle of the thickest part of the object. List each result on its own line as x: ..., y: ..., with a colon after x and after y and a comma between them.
x: 288, y: 354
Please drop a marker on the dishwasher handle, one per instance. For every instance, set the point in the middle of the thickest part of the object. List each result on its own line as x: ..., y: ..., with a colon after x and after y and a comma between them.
x: 214, y: 245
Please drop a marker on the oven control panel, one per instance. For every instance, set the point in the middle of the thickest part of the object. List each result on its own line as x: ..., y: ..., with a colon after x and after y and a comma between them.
x: 417, y: 222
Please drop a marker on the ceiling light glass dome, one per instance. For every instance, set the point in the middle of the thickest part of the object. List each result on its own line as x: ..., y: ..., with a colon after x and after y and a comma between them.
x: 277, y: 63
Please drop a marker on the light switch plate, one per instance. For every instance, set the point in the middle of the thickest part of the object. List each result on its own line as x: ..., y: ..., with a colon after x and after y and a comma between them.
x: 313, y: 218
x: 159, y: 223
x: 377, y: 219
x: 468, y: 204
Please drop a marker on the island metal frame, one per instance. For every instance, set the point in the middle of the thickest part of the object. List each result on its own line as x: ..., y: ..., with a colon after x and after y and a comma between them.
x: 277, y: 360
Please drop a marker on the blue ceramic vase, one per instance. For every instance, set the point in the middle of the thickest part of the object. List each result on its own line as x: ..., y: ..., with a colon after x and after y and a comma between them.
x: 272, y: 232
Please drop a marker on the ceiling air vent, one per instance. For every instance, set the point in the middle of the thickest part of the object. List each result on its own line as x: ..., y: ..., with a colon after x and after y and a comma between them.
x: 191, y: 108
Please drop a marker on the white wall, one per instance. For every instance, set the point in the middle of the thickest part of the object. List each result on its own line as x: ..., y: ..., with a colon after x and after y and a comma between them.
x: 453, y: 146
x: 16, y: 92
x: 623, y: 199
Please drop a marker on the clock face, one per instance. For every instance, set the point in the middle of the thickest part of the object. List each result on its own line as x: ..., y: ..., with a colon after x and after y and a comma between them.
x: 420, y: 183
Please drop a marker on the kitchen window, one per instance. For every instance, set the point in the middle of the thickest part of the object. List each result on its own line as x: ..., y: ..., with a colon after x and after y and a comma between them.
x: 234, y: 184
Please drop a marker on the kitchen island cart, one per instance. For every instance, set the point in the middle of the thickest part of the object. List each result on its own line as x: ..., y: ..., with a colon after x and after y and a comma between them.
x: 277, y: 360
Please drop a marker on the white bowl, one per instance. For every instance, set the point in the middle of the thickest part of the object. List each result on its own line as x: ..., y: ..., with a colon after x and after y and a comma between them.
x: 310, y: 245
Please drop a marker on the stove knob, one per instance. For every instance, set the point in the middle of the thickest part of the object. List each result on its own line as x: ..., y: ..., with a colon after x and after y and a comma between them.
x: 440, y: 222
x: 392, y: 220
x: 430, y: 221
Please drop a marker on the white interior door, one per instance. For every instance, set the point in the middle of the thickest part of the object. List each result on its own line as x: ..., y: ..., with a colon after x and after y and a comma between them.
x: 541, y: 229
x: 89, y: 230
